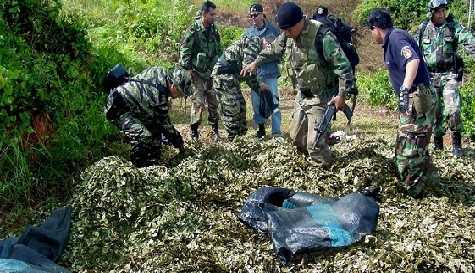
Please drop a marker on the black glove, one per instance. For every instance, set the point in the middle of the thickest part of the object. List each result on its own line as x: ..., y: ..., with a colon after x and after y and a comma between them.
x: 403, y: 99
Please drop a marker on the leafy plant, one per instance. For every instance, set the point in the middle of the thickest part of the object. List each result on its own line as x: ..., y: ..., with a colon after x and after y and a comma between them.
x: 376, y: 89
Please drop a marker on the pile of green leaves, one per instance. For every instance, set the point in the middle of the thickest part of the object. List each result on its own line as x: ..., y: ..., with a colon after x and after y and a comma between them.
x: 182, y: 217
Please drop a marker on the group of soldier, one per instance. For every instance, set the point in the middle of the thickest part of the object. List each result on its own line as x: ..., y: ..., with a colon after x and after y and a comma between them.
x: 423, y: 72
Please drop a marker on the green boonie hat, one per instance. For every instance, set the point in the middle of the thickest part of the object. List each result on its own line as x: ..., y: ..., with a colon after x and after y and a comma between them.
x: 181, y: 79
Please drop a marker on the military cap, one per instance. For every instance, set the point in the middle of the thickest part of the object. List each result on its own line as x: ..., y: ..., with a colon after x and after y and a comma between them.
x: 288, y: 15
x: 181, y: 79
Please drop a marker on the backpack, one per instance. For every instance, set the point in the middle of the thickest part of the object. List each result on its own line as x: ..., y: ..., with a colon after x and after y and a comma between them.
x: 342, y: 31
x: 118, y: 76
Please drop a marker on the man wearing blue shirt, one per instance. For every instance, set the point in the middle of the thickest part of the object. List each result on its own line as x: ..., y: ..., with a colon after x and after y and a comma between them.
x: 417, y: 101
x: 267, y: 72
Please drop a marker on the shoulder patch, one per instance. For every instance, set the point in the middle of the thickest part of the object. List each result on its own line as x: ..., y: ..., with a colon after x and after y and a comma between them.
x: 406, y: 52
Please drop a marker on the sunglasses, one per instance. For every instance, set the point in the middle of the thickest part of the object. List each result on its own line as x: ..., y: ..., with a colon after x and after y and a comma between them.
x: 253, y: 15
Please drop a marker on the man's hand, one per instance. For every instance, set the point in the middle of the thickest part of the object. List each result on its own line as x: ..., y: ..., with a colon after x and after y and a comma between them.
x: 339, y: 102
x: 263, y: 87
x: 190, y: 71
x: 249, y: 69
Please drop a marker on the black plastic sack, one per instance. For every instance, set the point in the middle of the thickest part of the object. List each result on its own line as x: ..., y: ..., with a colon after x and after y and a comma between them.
x: 266, y: 103
x: 300, y: 222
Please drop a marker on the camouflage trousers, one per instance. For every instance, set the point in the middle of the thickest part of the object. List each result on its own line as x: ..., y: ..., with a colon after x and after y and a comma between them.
x: 139, y: 129
x: 449, y: 104
x: 203, y: 94
x: 232, y: 105
x: 307, y: 113
x: 415, y: 129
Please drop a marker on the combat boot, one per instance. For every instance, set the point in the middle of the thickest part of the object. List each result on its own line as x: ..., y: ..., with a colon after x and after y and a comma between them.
x: 457, y: 144
x: 438, y: 143
x: 261, y: 132
x: 194, y: 132
x: 215, y: 133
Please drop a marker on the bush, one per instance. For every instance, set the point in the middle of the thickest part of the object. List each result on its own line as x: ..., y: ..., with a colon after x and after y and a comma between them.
x: 376, y: 89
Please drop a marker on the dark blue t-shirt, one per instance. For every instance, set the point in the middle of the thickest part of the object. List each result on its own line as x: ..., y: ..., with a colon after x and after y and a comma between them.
x: 399, y: 49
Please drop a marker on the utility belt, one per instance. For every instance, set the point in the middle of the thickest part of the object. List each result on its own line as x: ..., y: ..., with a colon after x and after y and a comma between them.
x: 422, y: 89
x: 440, y: 70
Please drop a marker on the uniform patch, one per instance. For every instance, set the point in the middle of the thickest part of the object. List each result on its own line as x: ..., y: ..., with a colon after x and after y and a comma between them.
x: 406, y: 52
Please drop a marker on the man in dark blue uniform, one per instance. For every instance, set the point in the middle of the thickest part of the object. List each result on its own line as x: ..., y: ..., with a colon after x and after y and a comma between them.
x: 417, y: 101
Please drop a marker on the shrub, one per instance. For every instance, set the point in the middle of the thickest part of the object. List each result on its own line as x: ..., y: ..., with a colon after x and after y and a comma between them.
x: 376, y: 89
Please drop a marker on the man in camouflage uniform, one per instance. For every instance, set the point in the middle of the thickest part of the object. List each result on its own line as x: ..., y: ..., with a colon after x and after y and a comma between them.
x: 139, y: 108
x: 438, y: 37
x: 199, y: 51
x: 320, y: 82
x: 417, y: 102
x: 227, y: 81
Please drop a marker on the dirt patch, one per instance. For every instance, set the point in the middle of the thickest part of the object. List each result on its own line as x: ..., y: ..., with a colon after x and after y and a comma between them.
x: 371, y: 54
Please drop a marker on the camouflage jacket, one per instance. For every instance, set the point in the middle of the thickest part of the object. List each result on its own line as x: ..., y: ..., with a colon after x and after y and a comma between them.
x: 243, y: 51
x: 147, y: 98
x: 200, y: 49
x: 311, y: 72
x: 439, y: 44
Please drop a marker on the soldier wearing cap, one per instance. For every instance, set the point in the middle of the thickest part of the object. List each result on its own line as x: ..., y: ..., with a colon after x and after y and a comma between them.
x: 410, y: 79
x: 438, y: 37
x: 139, y: 108
x: 199, y: 51
x: 267, y: 72
x: 320, y: 80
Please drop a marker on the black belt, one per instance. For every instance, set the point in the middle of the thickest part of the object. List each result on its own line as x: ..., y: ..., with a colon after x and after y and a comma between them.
x: 439, y: 70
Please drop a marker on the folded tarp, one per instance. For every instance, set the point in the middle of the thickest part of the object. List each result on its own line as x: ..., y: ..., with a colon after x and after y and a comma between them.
x: 301, y: 222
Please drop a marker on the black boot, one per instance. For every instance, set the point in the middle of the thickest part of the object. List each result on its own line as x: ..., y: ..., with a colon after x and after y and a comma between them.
x: 438, y: 143
x: 215, y: 133
x: 261, y: 132
x: 457, y: 144
x: 194, y: 132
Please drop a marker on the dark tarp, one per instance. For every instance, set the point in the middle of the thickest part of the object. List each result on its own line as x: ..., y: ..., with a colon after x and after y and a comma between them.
x: 38, y: 248
x: 301, y: 222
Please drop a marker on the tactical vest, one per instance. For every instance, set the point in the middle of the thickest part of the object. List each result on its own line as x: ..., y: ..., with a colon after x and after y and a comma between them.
x: 311, y: 71
x: 207, y: 46
x: 447, y: 58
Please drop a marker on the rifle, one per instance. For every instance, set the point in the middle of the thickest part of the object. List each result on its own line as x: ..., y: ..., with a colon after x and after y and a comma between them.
x: 322, y: 126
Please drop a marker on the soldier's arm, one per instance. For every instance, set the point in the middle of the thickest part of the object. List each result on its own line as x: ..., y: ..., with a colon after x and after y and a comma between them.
x: 186, y: 49
x: 274, y: 52
x: 168, y: 130
x: 338, y: 62
x: 465, y: 38
x: 219, y: 49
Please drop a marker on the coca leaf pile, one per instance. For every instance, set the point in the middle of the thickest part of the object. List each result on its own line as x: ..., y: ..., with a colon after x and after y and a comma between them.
x: 182, y: 216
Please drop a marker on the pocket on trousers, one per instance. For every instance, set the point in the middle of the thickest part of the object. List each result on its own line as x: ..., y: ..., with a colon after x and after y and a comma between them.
x: 423, y: 101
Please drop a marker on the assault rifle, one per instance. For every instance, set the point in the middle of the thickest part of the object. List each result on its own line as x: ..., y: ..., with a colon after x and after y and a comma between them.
x: 329, y: 113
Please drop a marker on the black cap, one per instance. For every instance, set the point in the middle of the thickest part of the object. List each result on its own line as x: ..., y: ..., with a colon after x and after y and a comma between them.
x: 256, y: 7
x: 288, y: 15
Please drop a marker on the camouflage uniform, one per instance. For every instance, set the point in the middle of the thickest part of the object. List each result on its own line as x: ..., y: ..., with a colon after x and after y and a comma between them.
x: 140, y: 111
x: 317, y: 81
x: 413, y: 161
x: 438, y: 45
x: 199, y: 51
x: 232, y: 105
